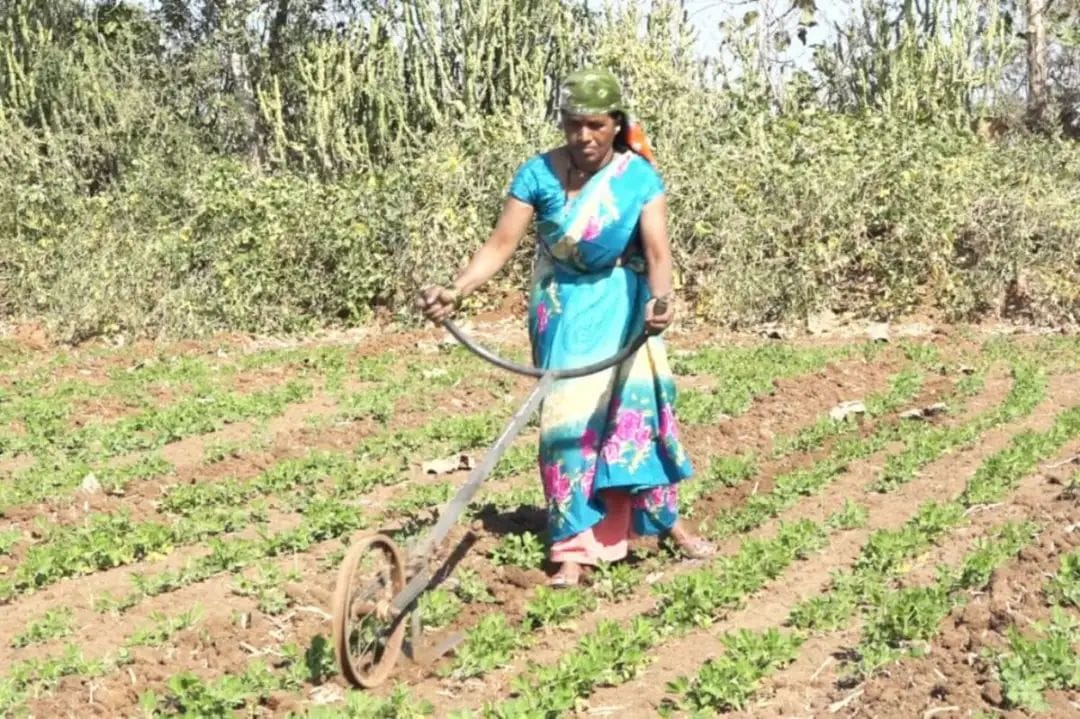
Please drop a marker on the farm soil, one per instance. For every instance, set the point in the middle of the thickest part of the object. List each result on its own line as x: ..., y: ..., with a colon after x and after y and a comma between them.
x: 233, y: 632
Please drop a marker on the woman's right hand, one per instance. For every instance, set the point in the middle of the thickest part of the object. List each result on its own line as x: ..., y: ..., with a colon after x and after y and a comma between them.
x: 437, y: 303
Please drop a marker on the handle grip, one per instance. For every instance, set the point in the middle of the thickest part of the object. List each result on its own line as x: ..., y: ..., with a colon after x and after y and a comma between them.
x: 660, y: 306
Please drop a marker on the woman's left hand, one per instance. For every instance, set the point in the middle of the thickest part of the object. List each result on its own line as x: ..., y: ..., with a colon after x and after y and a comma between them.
x: 658, y: 322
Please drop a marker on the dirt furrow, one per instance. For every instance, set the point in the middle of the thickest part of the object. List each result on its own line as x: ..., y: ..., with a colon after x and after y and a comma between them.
x: 809, y: 685
x: 825, y: 389
x: 952, y: 673
x: 771, y: 607
x: 449, y: 696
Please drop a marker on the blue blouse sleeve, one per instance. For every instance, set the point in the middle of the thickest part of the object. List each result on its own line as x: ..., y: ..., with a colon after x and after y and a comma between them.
x: 524, y: 186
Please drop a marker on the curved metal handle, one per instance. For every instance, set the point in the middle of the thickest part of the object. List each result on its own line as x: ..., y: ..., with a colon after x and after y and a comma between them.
x: 617, y: 358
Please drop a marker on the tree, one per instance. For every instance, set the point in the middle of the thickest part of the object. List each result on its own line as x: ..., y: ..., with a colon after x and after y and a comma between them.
x: 1036, y: 55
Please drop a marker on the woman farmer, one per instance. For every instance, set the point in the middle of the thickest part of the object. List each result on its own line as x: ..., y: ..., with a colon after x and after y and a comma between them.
x: 610, y: 457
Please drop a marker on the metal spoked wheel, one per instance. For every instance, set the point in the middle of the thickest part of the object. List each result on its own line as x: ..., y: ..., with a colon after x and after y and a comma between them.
x: 368, y: 633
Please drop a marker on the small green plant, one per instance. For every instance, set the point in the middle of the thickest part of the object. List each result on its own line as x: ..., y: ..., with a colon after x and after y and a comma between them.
x: 553, y: 607
x: 823, y: 613
x: 471, y: 587
x: 164, y: 627
x: 1064, y: 588
x: 729, y: 471
x: 487, y: 646
x: 421, y: 499
x: 219, y: 451
x: 905, y: 616
x: 55, y: 624
x: 851, y: 516
x: 611, y: 655
x: 266, y: 587
x: 319, y: 662
x: 521, y: 550
x: 438, y: 608
x: 727, y: 683
x: 616, y: 581
x: 8, y: 539
x: 1048, y: 660
x: 361, y: 705
x: 366, y: 405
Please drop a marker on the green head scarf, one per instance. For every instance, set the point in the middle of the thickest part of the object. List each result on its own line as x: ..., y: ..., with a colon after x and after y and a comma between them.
x: 592, y: 91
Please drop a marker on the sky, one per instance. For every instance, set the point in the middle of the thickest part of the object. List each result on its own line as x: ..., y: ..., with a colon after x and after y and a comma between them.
x: 706, y: 16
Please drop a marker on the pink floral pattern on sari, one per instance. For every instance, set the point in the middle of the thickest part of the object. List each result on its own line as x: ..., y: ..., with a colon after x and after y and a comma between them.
x: 556, y: 483
x: 631, y: 434
x: 592, y: 229
x: 659, y: 498
x: 543, y: 317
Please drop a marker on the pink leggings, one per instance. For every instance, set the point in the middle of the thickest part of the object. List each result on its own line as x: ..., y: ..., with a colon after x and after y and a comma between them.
x: 607, y: 541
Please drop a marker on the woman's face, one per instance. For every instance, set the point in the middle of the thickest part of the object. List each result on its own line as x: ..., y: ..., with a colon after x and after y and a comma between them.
x: 590, y: 137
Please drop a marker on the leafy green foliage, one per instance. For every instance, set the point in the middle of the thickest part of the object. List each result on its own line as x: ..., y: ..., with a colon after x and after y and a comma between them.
x: 8, y: 539
x: 163, y: 627
x: 439, y: 607
x: 902, y: 616
x: 471, y: 587
x: 265, y: 586
x: 851, y: 516
x: 726, y: 683
x: 54, y: 475
x: 1048, y: 660
x: 553, y: 607
x: 742, y: 374
x: 927, y: 444
x: 723, y: 471
x: 487, y: 645
x: 188, y: 695
x: 612, y: 654
x: 319, y: 660
x: 616, y: 581
x: 55, y: 624
x: 899, y: 620
x: 697, y: 598
x: 421, y: 499
x: 1064, y: 588
x: 31, y: 677
x: 361, y: 705
x: 524, y: 550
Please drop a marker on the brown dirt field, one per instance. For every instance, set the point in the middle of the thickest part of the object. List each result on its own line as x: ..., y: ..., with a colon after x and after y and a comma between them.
x: 220, y: 645
x: 953, y: 674
x: 809, y: 687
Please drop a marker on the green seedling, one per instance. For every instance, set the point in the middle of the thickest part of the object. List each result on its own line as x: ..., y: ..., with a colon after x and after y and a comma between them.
x: 520, y: 550
x: 53, y: 625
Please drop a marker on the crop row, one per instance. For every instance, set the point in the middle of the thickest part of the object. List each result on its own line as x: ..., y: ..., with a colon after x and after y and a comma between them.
x: 897, y: 620
x: 694, y: 598
x: 1043, y: 657
x: 493, y: 641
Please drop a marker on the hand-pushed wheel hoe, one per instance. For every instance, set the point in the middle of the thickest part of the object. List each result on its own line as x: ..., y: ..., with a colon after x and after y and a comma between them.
x: 379, y: 584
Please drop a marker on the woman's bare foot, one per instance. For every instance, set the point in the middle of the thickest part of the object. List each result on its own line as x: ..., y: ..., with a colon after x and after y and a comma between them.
x: 569, y: 575
x: 693, y: 546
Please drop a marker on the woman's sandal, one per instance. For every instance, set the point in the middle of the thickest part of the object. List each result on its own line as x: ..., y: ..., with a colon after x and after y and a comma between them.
x: 698, y: 549
x: 561, y: 581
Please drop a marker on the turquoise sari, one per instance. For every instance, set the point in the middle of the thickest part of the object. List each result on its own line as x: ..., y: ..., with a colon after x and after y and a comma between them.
x: 615, y: 430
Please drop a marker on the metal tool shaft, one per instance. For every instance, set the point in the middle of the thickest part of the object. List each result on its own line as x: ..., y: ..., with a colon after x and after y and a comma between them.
x: 452, y: 510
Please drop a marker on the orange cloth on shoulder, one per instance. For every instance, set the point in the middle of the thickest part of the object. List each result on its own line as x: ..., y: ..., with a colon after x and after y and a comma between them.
x: 639, y: 143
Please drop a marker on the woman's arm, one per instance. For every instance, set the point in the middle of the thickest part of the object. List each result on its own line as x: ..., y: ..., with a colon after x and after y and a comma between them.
x: 438, y: 302
x: 657, y: 248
